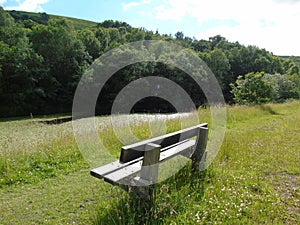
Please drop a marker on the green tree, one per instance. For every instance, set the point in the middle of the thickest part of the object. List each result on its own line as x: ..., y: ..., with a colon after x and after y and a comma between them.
x: 91, y: 43
x: 219, y: 64
x: 64, y: 56
x: 115, y: 38
x: 20, y: 69
x: 5, y: 19
x: 103, y: 37
x: 295, y: 78
x: 216, y: 40
x: 135, y: 35
x: 252, y: 89
x: 276, y: 65
x: 283, y: 87
x: 262, y: 64
x: 179, y: 35
x: 201, y: 45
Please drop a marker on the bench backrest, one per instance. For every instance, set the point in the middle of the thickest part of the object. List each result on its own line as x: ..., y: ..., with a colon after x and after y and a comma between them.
x: 137, y: 150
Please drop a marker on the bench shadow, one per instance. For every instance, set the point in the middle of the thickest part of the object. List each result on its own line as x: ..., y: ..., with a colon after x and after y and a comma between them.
x: 171, y: 199
x: 269, y: 110
x: 56, y: 121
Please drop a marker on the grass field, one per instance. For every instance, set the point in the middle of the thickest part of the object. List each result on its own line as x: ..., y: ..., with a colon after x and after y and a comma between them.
x: 255, y: 178
x: 37, y: 17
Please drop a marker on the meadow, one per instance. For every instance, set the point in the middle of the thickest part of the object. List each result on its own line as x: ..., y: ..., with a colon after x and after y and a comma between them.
x: 255, y: 178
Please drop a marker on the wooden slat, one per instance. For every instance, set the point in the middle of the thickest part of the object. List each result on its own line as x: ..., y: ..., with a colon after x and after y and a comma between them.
x: 111, y: 167
x: 118, y: 175
x: 181, y: 149
x: 134, y: 151
x: 116, y: 165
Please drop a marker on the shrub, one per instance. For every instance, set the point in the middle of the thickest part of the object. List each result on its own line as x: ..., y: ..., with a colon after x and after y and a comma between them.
x: 252, y: 89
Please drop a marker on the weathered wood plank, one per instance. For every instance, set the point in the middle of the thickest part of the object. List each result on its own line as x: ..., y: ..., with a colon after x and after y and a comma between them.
x: 111, y: 167
x: 185, y: 148
x: 200, y: 147
x: 99, y: 172
x: 134, y: 151
x: 132, y: 169
x: 149, y: 170
x: 123, y: 173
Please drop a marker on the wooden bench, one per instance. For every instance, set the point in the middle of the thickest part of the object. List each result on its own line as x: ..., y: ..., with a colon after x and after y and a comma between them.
x: 139, y: 163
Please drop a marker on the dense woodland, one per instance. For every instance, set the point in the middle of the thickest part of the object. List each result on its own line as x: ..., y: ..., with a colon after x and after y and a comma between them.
x: 43, y: 57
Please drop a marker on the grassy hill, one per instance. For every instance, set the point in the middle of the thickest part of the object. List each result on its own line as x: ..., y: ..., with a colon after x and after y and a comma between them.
x: 43, y: 19
x: 79, y: 23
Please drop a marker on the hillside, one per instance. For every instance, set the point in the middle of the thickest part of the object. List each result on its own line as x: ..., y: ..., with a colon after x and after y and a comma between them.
x: 43, y: 18
x: 79, y: 24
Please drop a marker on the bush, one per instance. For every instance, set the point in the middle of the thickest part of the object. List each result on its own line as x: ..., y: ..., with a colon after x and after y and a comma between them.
x: 283, y: 87
x: 252, y: 89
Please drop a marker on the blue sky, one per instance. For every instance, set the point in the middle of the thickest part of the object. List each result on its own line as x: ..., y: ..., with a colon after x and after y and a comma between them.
x: 269, y: 24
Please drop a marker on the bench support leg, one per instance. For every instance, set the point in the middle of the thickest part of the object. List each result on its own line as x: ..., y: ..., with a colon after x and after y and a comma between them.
x: 142, y: 205
x: 149, y: 171
x: 200, y: 148
x: 145, y: 190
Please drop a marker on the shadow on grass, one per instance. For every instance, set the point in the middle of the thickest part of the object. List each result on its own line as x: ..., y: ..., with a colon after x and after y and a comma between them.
x: 268, y: 109
x: 57, y: 121
x: 173, y: 197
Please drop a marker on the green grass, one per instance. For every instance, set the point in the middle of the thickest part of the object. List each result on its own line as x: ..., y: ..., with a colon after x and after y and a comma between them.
x: 254, y: 179
x: 78, y: 24
x: 37, y: 17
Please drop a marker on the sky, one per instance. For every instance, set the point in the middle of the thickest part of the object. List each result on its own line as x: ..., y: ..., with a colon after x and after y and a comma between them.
x: 269, y: 24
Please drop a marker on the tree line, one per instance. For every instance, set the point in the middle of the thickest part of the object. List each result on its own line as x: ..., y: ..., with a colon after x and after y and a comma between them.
x: 42, y: 60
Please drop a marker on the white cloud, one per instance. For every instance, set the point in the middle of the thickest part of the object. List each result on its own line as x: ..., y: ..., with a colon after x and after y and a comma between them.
x: 203, y: 10
x: 130, y: 5
x: 268, y: 24
x: 287, y: 1
x: 2, y: 2
x: 172, y: 10
x: 29, y: 5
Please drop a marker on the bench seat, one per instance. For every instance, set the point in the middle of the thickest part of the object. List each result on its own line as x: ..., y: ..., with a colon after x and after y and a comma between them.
x: 139, y: 162
x: 116, y: 171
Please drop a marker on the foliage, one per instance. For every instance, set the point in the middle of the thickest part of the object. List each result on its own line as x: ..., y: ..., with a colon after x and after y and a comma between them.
x: 218, y: 62
x: 21, y: 70
x: 91, y: 43
x: 252, y: 89
x: 42, y: 58
x: 295, y: 79
x: 257, y: 88
x: 41, y: 18
x: 283, y: 87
